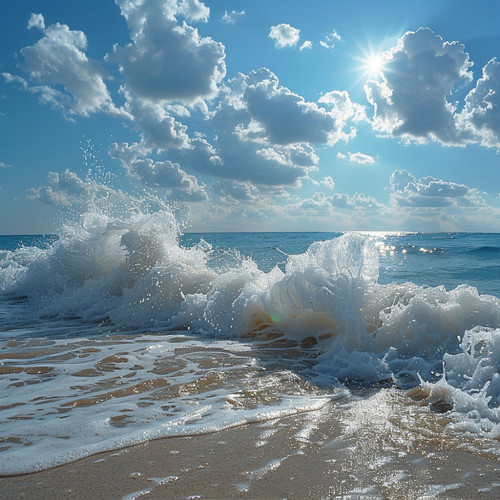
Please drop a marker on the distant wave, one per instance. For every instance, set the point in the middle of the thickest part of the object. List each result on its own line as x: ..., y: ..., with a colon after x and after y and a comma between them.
x: 487, y: 249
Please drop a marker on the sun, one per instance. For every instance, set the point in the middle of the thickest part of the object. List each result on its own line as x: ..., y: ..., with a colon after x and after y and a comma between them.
x: 372, y: 60
x: 374, y: 65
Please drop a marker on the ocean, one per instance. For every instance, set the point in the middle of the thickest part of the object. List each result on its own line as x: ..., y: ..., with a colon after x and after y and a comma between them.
x: 122, y: 330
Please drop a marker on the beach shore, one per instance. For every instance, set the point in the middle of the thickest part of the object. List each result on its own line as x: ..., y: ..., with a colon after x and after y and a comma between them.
x: 353, y: 451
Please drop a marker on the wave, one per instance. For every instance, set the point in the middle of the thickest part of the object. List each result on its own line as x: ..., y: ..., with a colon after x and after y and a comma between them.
x: 486, y: 250
x: 131, y: 270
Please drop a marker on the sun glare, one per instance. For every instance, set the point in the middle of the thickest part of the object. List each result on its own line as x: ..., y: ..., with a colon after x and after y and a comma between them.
x: 374, y: 65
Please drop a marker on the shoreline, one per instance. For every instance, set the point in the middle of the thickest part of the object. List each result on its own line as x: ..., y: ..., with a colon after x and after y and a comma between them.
x: 358, y: 450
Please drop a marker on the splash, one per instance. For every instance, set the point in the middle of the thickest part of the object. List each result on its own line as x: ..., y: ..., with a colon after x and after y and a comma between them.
x: 121, y: 263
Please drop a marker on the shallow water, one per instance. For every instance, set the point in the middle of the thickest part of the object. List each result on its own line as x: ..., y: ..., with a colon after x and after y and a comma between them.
x: 122, y: 331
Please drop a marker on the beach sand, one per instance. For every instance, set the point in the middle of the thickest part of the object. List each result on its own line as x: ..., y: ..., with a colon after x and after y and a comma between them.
x: 382, y: 445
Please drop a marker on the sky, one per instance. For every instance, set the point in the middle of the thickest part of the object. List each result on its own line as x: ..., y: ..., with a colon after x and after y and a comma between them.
x: 250, y: 115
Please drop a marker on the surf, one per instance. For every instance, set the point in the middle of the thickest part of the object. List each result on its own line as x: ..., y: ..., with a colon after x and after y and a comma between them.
x: 122, y: 268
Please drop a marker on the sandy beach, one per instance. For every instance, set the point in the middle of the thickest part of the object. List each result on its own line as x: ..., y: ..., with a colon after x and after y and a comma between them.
x: 381, y: 446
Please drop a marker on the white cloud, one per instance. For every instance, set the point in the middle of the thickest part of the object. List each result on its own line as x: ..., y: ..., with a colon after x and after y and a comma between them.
x: 328, y: 182
x: 302, y: 155
x: 49, y: 196
x: 158, y: 128
x: 331, y: 40
x: 47, y: 95
x: 68, y: 189
x: 158, y: 174
x: 400, y: 179
x: 36, y: 21
x: 430, y: 204
x: 419, y: 75
x: 233, y: 16
x: 234, y: 191
x: 167, y: 61
x: 357, y: 201
x: 284, y: 35
x: 286, y: 117
x: 193, y: 10
x: 264, y: 133
x: 429, y: 192
x: 342, y: 108
x: 361, y: 158
x: 243, y: 158
x: 481, y: 114
x: 59, y: 59
x: 342, y: 201
x: 306, y: 45
x: 5, y: 165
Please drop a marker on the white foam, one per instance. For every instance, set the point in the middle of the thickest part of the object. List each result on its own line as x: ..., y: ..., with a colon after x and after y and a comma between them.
x: 130, y: 270
x: 108, y: 393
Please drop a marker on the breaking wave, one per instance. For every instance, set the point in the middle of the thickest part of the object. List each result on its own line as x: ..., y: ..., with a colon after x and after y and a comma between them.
x: 130, y: 270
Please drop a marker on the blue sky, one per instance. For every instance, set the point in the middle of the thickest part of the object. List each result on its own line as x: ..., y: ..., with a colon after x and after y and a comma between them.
x: 253, y: 115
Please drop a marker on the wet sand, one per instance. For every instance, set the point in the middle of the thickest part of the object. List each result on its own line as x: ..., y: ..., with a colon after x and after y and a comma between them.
x: 379, y: 446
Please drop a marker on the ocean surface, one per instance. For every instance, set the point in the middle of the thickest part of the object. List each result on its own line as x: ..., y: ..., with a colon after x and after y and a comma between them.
x: 121, y: 330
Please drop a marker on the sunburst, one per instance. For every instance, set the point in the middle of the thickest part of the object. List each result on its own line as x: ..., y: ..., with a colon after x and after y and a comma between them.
x: 374, y: 65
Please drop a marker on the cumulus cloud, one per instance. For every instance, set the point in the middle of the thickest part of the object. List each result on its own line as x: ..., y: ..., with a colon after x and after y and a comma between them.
x: 159, y: 129
x: 5, y: 165
x: 167, y: 60
x: 68, y: 189
x: 342, y: 107
x: 168, y: 69
x: 286, y: 117
x: 246, y: 158
x: 59, y: 58
x: 481, y: 116
x: 234, y: 191
x: 357, y: 201
x: 296, y: 154
x: 342, y: 201
x: 306, y: 45
x: 193, y: 10
x: 233, y: 16
x: 360, y: 158
x: 412, y: 98
x: 331, y: 40
x: 265, y: 134
x: 36, y: 21
x: 284, y: 35
x: 47, y: 95
x: 328, y: 182
x: 158, y: 174
x: 165, y: 174
x: 429, y: 192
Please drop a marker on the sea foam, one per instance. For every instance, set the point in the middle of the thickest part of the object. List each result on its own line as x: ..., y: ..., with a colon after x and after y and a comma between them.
x: 131, y: 272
